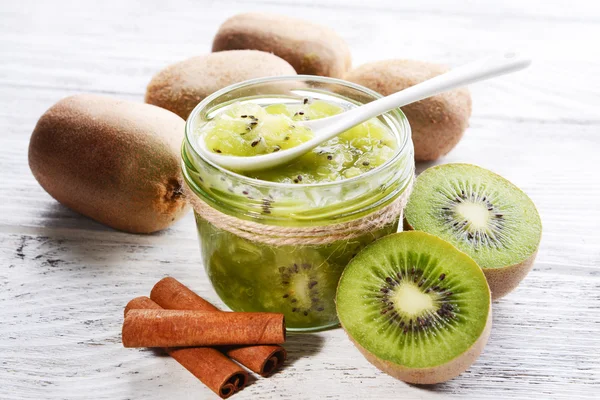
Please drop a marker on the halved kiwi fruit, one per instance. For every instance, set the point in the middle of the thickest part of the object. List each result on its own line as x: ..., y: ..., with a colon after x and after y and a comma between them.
x: 483, y: 215
x: 303, y: 286
x: 416, y: 307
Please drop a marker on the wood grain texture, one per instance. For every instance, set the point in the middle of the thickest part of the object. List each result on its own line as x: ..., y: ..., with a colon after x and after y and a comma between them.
x: 65, y: 279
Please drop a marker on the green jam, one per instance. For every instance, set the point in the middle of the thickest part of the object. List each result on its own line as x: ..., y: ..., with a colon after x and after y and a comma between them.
x: 248, y: 129
x: 298, y: 280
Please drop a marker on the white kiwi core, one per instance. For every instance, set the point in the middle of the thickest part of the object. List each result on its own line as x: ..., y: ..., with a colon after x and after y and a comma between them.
x: 476, y: 213
x: 408, y: 299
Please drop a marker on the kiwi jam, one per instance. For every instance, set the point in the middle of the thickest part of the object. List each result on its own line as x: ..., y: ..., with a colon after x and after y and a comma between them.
x: 349, y: 177
x: 247, y: 129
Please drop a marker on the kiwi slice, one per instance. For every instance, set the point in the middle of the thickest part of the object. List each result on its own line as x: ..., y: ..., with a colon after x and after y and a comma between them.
x: 483, y: 215
x: 416, y: 307
x: 303, y: 289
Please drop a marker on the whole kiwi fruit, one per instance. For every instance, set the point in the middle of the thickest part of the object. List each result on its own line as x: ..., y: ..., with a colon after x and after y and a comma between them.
x: 438, y: 122
x: 112, y: 160
x: 416, y: 307
x: 482, y: 214
x: 181, y: 86
x: 310, y: 48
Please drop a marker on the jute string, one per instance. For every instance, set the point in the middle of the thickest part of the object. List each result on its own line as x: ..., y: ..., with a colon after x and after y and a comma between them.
x: 316, y: 235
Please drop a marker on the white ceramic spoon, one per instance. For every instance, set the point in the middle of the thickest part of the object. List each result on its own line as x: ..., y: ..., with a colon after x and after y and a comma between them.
x: 327, y: 128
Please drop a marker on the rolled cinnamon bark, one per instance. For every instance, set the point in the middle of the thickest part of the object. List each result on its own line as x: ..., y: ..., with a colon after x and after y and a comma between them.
x: 171, y: 294
x: 210, y: 366
x: 190, y: 328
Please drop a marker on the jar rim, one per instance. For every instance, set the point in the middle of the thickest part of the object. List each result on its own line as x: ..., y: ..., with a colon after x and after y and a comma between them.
x: 399, y: 117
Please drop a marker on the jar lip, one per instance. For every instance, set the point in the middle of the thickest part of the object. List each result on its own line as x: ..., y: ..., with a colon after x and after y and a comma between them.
x: 399, y: 116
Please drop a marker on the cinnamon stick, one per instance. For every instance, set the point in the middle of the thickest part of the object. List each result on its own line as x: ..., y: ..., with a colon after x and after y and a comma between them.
x: 190, y: 328
x: 210, y: 366
x: 172, y: 294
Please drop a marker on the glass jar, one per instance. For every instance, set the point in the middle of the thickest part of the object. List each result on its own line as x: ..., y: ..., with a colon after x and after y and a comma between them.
x: 280, y: 247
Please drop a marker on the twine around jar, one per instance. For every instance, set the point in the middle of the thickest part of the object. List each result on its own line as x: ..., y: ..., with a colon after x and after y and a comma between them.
x: 316, y: 235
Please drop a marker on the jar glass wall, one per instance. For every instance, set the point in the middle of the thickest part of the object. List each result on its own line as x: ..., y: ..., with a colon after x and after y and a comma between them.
x: 280, y: 247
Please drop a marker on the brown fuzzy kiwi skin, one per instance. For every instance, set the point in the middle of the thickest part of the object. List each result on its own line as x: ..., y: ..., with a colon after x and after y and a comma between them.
x: 432, y: 375
x: 310, y: 48
x: 112, y: 160
x: 181, y: 86
x: 502, y: 280
x: 439, y: 122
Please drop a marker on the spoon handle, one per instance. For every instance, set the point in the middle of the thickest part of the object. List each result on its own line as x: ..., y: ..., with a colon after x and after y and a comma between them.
x: 469, y: 73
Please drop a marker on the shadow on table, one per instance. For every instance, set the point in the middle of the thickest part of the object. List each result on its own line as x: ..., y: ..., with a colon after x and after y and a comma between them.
x: 421, y: 166
x: 301, y: 345
x: 64, y: 237
x: 436, y: 388
x: 59, y: 216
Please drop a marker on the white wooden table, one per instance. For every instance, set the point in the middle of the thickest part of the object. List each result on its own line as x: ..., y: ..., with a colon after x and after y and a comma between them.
x: 65, y: 279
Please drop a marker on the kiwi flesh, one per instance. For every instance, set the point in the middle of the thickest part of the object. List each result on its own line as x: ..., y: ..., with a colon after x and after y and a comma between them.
x: 416, y: 307
x: 304, y: 287
x: 482, y: 214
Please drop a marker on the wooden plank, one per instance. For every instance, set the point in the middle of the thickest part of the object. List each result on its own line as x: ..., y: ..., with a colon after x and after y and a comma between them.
x: 65, y: 279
